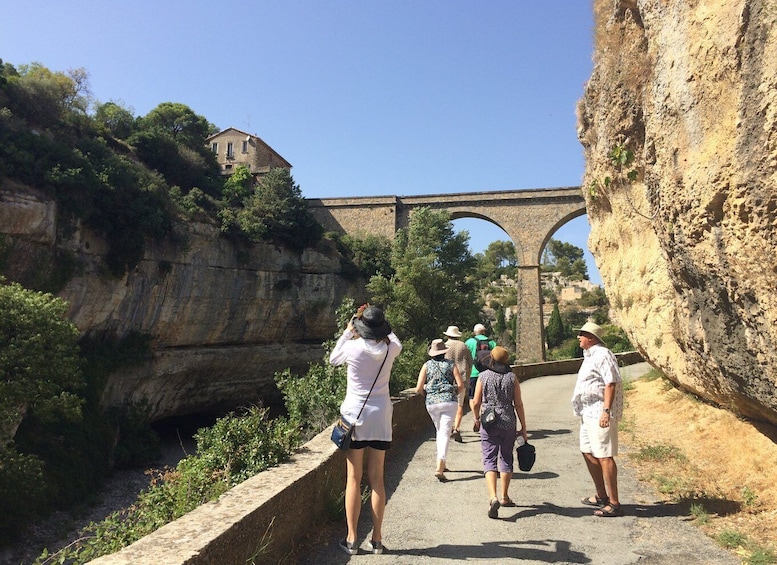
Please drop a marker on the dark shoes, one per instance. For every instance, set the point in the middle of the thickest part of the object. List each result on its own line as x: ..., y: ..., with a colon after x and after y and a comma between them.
x: 609, y: 510
x: 349, y: 547
x: 595, y: 501
x: 493, y: 508
x: 456, y: 435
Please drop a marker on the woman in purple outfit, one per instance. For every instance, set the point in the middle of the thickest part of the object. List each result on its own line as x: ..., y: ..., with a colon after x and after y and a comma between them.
x: 498, y: 388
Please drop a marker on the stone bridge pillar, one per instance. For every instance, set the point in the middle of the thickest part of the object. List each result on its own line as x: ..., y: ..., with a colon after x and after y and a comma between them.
x: 529, y: 330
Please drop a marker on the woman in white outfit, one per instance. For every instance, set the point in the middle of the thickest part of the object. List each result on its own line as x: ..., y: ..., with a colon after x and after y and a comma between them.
x: 368, y: 347
x: 440, y: 382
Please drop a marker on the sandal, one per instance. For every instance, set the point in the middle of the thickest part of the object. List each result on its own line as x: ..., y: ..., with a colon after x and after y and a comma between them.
x: 596, y: 502
x: 609, y: 510
x: 507, y: 502
x: 493, y: 508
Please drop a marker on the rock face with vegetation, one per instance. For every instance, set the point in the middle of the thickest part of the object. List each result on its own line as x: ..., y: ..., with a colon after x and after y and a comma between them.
x: 222, y: 318
x: 679, y: 126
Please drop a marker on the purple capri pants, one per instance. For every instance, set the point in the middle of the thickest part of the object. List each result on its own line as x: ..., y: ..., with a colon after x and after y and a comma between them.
x: 496, y: 447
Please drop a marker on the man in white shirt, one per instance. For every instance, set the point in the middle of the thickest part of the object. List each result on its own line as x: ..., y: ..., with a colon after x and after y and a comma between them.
x: 598, y: 401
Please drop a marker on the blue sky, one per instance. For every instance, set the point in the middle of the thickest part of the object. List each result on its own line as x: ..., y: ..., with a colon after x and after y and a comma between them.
x: 361, y: 97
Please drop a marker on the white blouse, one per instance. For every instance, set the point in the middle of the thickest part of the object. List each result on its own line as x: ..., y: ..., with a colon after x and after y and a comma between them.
x: 599, y: 368
x: 364, y: 358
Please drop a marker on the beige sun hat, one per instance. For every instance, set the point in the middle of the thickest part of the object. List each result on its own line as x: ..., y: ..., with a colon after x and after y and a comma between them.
x: 437, y: 348
x: 594, y: 329
x: 452, y: 331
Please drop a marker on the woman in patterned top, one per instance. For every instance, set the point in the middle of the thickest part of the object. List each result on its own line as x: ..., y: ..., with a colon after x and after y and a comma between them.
x: 498, y: 388
x: 440, y: 381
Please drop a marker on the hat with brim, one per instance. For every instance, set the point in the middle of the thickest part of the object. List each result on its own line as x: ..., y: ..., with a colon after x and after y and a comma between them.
x: 372, y: 324
x: 500, y: 355
x: 437, y: 348
x: 452, y: 331
x: 592, y: 329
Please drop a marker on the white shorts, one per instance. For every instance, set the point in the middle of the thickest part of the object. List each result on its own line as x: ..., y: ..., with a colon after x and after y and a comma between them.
x: 599, y: 442
x: 462, y: 397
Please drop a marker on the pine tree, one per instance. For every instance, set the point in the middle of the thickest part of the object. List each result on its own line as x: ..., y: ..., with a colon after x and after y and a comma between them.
x: 554, y: 333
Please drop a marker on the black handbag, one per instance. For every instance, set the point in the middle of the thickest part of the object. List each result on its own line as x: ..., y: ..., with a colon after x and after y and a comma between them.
x: 488, y: 418
x: 342, y: 433
x: 526, y: 456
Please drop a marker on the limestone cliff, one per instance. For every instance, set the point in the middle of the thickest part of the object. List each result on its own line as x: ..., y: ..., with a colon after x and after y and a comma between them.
x: 685, y: 236
x: 222, y: 319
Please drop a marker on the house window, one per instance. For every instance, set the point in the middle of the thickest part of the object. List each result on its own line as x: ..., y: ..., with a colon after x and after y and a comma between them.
x: 230, y: 150
x: 214, y: 147
x: 245, y: 146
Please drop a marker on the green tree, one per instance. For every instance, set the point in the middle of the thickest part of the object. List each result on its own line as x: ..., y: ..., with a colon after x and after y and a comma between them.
x: 179, y: 122
x: 238, y: 186
x: 498, y: 259
x: 554, y: 333
x: 371, y: 254
x: 39, y: 358
x: 39, y: 376
x: 275, y: 211
x: 171, y: 140
x: 44, y: 97
x: 433, y: 279
x: 566, y: 259
x: 117, y: 120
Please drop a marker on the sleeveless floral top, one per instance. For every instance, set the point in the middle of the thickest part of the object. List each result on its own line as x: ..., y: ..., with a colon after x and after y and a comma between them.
x: 440, y: 383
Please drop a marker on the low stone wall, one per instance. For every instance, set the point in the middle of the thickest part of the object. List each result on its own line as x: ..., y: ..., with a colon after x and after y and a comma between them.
x: 275, y: 508
x: 567, y: 366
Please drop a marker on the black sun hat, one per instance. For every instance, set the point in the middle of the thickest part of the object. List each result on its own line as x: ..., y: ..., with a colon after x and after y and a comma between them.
x: 372, y: 324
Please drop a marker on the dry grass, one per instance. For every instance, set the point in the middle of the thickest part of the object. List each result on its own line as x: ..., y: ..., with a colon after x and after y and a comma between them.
x: 722, y: 468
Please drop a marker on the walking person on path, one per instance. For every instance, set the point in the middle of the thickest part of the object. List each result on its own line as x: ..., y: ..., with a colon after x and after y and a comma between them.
x: 598, y: 401
x: 440, y: 382
x: 478, y: 342
x: 368, y: 347
x: 498, y: 389
x: 460, y: 354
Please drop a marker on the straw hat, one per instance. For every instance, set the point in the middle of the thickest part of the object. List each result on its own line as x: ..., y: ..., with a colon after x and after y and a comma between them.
x: 593, y: 329
x: 437, y: 348
x: 452, y: 331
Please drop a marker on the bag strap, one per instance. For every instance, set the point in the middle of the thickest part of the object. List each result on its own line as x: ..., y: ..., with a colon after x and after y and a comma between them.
x: 373, y: 384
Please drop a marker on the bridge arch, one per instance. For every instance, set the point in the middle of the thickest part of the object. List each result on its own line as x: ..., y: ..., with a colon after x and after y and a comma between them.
x: 528, y: 217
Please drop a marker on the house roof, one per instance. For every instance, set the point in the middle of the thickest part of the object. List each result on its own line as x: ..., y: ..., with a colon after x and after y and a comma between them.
x: 254, y: 137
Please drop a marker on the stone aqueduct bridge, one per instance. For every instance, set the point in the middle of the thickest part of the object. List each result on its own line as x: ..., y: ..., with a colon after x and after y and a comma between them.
x: 529, y: 217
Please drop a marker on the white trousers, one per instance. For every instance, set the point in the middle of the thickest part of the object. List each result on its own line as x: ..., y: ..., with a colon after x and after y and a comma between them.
x: 443, y: 414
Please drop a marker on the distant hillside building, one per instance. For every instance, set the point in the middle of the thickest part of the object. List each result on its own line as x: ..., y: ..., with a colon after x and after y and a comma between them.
x: 234, y: 147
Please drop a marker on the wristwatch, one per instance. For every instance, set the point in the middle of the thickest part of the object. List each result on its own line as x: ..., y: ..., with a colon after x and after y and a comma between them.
x: 607, y: 410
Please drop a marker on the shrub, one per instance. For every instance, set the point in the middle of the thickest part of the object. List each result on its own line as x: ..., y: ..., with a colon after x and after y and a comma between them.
x: 234, y: 449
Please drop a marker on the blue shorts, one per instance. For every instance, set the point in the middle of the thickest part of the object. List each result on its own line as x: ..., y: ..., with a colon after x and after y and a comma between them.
x: 473, y: 381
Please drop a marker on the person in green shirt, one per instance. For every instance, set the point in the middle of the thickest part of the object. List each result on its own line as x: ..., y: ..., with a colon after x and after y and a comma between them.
x: 478, y: 342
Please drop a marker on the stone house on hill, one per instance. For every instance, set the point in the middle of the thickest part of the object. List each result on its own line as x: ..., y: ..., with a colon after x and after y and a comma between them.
x: 234, y: 147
